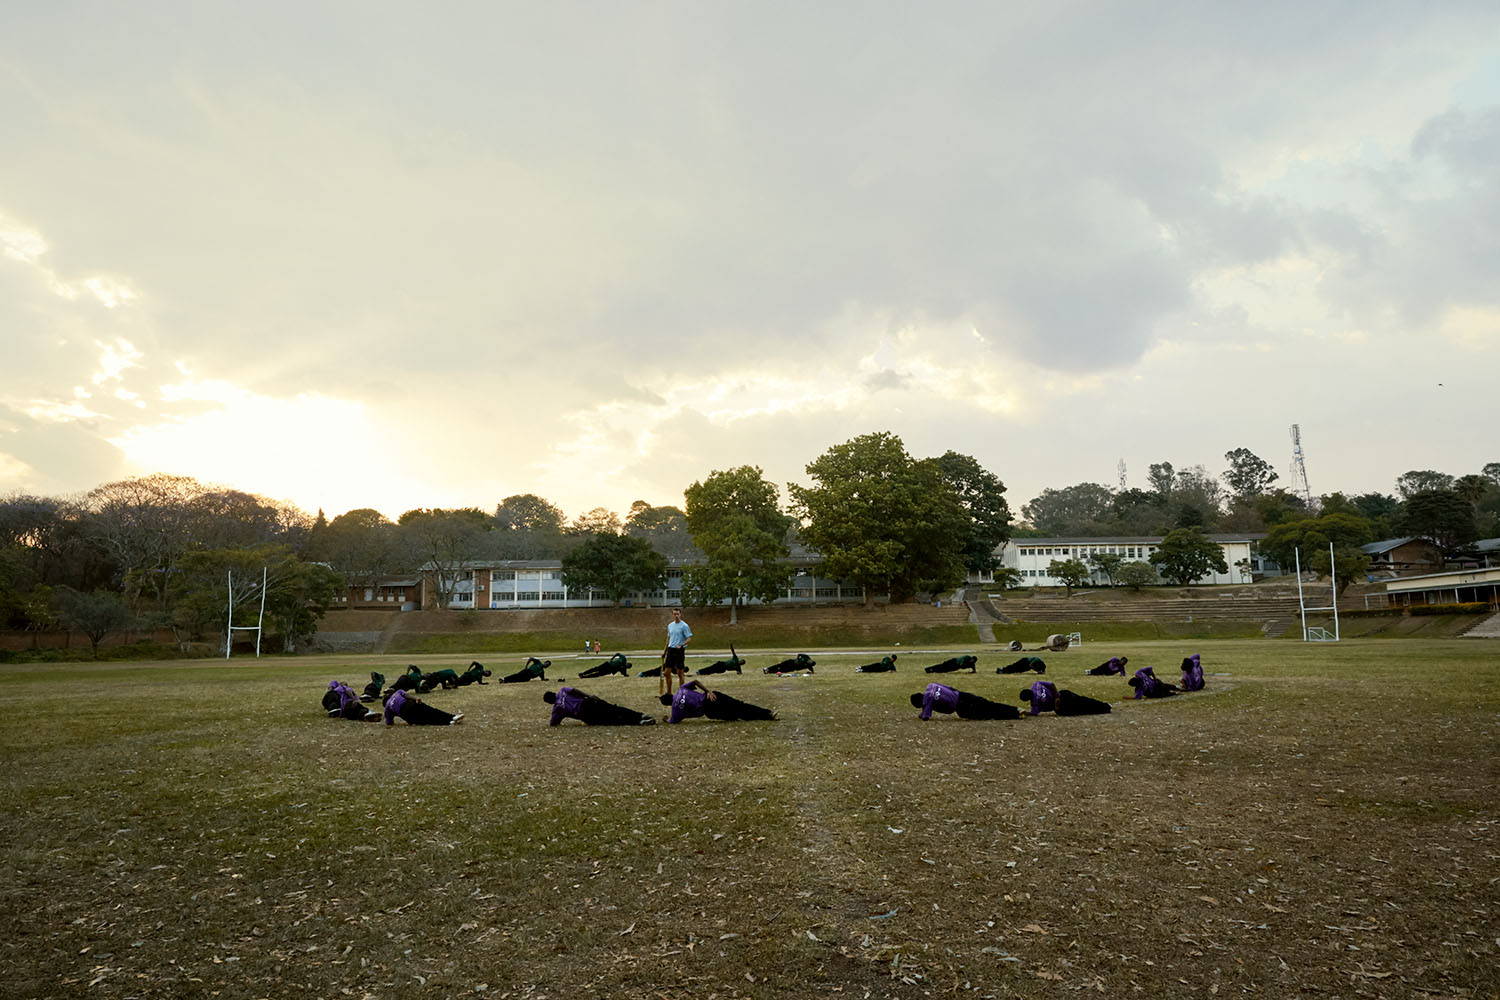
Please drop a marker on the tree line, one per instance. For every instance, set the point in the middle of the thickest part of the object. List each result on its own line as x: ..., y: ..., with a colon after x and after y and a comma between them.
x: 155, y: 552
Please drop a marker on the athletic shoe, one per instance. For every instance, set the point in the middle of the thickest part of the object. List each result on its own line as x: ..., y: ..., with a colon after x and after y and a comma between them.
x: 457, y: 719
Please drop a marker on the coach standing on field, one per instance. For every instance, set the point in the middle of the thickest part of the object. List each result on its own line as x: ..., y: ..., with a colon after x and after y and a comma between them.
x: 674, y: 656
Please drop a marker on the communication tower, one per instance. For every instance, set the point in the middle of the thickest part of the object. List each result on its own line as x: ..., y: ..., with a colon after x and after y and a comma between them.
x: 1299, y: 470
x: 1121, y: 469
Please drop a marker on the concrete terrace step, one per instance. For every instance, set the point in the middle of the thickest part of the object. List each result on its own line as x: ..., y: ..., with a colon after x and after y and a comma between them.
x: 1485, y: 628
x: 1249, y: 609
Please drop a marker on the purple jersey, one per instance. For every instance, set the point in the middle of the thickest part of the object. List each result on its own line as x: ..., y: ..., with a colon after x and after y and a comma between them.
x: 1192, y: 674
x: 1043, y: 697
x: 941, y: 697
x: 569, y: 701
x: 688, y: 703
x: 1146, y: 678
x: 393, y: 706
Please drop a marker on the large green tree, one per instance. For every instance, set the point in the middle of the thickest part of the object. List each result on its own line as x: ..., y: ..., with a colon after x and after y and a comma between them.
x: 1308, y: 539
x: 1248, y: 474
x: 736, y: 521
x: 666, y: 528
x: 982, y: 496
x: 1085, y: 509
x: 446, y: 541
x: 1187, y: 554
x: 95, y: 614
x: 528, y: 527
x: 882, y: 520
x: 1442, y: 516
x: 614, y: 565
x: 1409, y: 484
x: 1072, y: 572
x: 362, y: 546
x: 297, y: 593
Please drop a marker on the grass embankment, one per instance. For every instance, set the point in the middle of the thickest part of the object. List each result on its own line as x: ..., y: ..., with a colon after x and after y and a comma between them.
x: 704, y: 637
x: 1321, y: 821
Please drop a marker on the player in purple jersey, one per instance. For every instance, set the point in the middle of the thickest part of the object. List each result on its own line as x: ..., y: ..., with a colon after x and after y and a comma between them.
x: 693, y: 700
x: 571, y: 703
x: 1113, y: 665
x: 942, y: 698
x: 1192, y: 673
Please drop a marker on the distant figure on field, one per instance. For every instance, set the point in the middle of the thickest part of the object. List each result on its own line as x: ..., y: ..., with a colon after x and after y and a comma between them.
x: 616, y: 664
x: 693, y: 700
x: 801, y: 663
x: 1148, y: 685
x: 341, y: 702
x: 571, y: 703
x: 415, y: 712
x: 534, y: 670
x: 1192, y: 673
x: 734, y: 663
x: 942, y: 698
x: 1042, y: 695
x: 1113, y: 665
x: 884, y: 665
x: 1022, y: 665
x: 476, y: 674
x: 954, y: 663
x: 674, y: 654
x: 1055, y: 643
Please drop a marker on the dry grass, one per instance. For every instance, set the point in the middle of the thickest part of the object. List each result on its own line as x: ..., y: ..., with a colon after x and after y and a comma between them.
x: 1321, y: 822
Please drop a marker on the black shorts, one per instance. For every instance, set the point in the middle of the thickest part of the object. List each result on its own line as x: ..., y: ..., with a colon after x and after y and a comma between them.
x: 676, y: 659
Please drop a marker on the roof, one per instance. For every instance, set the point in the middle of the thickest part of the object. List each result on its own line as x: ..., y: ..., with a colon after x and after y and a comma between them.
x: 1221, y: 537
x: 1379, y: 548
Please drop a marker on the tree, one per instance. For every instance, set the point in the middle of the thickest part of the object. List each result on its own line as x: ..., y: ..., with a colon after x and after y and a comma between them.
x: 1136, y: 512
x: 447, y: 540
x: 1108, y: 563
x: 616, y: 565
x: 95, y: 614
x: 881, y: 520
x: 1441, y: 516
x: 1491, y: 471
x: 1007, y: 578
x: 592, y: 523
x: 362, y: 546
x: 1072, y: 572
x: 735, y: 520
x: 1248, y: 474
x: 146, y: 525
x: 1311, y: 537
x: 1409, y: 484
x: 1277, y: 506
x: 1074, y: 510
x: 1162, y: 477
x: 1186, y: 554
x: 1136, y: 575
x: 297, y: 593
x: 1197, y: 497
x: 982, y: 496
x: 528, y: 527
x: 665, y: 528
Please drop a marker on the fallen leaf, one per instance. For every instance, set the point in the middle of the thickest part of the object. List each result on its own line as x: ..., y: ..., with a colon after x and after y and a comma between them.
x: 1034, y: 929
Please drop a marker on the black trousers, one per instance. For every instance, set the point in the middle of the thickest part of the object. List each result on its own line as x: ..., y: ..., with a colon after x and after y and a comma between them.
x: 972, y: 706
x: 419, y: 713
x: 598, y: 712
x: 948, y: 667
x: 875, y: 668
x: 605, y: 669
x: 726, y: 709
x: 1022, y: 665
x: 717, y: 668
x: 1069, y: 703
x: 1103, y: 670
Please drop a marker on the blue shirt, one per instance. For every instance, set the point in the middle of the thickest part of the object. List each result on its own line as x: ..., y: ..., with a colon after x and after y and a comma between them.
x: 678, y: 633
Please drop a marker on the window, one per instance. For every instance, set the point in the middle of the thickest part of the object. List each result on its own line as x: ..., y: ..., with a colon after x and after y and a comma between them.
x: 827, y: 592
x: 503, y: 574
x: 801, y: 592
x: 552, y: 595
x: 528, y: 595
x: 675, y: 595
x: 595, y: 595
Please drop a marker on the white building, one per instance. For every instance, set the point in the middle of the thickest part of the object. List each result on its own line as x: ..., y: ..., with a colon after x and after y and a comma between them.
x: 1031, y: 556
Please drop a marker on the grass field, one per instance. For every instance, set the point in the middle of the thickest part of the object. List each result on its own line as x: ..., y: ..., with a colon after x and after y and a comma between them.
x: 1322, y: 822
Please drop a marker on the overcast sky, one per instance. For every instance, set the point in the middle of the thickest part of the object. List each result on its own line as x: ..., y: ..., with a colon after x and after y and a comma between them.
x: 396, y: 255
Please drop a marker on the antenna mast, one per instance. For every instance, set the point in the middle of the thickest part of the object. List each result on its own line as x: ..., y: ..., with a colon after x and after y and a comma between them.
x: 1299, y: 470
x: 1121, y: 469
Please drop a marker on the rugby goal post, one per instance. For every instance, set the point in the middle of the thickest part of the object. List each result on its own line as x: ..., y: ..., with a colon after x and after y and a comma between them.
x: 1317, y: 633
x: 259, y: 619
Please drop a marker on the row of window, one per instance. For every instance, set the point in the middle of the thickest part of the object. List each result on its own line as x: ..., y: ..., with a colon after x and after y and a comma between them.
x: 1082, y: 551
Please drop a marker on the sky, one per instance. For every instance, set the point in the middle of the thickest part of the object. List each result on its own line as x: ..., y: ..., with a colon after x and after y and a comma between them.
x: 390, y: 255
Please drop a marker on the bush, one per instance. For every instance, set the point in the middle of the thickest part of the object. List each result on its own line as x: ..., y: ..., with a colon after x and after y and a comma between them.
x: 1466, y: 608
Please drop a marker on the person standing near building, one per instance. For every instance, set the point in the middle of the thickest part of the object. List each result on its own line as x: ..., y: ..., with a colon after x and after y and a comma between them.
x: 674, y: 655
